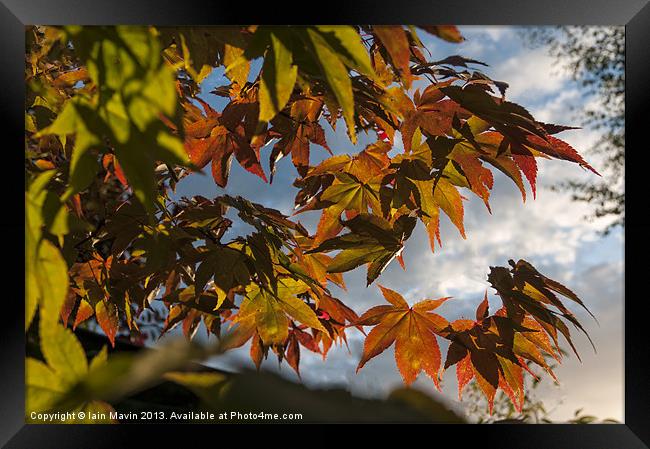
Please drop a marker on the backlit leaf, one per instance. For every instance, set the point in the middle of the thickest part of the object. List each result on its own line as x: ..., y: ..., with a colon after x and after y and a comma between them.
x: 278, y: 79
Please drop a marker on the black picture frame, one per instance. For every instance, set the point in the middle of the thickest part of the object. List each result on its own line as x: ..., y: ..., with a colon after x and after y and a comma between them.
x: 634, y: 14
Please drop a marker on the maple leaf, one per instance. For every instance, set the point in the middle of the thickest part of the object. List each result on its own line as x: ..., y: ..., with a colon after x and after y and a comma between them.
x: 271, y: 285
x: 218, y: 137
x: 269, y: 311
x: 278, y: 79
x: 372, y: 241
x: 433, y: 117
x: 524, y: 291
x: 480, y: 179
x: 449, y: 33
x: 349, y: 193
x: 107, y: 319
x: 412, y: 329
x: 395, y: 40
x: 528, y: 165
x: 336, y: 74
x: 559, y: 149
x: 297, y: 338
x: 483, y: 349
x: 295, y: 131
x: 450, y: 201
x: 64, y: 367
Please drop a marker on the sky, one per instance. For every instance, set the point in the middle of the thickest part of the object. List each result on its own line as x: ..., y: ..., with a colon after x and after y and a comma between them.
x: 551, y: 232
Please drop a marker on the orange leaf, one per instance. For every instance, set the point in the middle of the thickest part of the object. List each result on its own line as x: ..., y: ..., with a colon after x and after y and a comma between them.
x: 84, y: 312
x: 446, y: 195
x: 107, y: 319
x: 257, y: 351
x: 393, y: 297
x: 396, y: 42
x: 412, y: 329
x: 482, y: 310
x: 449, y: 33
x: 464, y: 373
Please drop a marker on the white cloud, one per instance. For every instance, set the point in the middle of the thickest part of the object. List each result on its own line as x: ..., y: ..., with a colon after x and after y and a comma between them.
x: 531, y: 74
x: 495, y: 33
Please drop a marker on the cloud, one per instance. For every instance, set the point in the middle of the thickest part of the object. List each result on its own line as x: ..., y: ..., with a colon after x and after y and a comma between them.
x: 494, y: 33
x: 597, y: 383
x: 531, y: 75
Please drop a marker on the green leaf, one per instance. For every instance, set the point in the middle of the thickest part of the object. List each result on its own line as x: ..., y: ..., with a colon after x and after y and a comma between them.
x: 135, y: 88
x: 337, y: 77
x: 34, y: 199
x: 78, y: 118
x: 372, y: 240
x: 99, y: 360
x: 50, y: 275
x: 64, y: 354
x: 349, y: 47
x: 139, y: 170
x: 42, y: 386
x: 205, y: 385
x: 278, y: 78
x: 299, y: 311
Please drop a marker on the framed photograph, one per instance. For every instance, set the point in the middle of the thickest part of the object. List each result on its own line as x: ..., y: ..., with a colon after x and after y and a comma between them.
x: 373, y: 213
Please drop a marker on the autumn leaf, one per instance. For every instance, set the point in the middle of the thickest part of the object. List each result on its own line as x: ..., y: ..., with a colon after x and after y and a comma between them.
x: 372, y: 241
x: 447, y: 32
x: 297, y: 129
x: 412, y: 329
x: 109, y: 236
x: 349, y: 193
x: 450, y: 201
x: 395, y: 40
x: 107, y: 319
x: 270, y: 311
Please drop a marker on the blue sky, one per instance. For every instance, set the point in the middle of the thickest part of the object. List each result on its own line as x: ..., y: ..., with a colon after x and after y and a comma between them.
x: 551, y: 232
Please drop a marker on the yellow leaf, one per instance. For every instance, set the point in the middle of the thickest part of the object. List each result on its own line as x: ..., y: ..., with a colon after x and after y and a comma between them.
x: 64, y: 354
x: 42, y: 386
x: 278, y: 79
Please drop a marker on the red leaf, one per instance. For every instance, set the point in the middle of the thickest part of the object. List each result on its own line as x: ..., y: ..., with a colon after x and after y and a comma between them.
x: 559, y: 149
x: 107, y: 319
x: 528, y: 165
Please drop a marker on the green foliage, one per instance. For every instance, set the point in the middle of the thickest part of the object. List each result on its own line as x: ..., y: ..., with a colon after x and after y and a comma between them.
x: 47, y: 384
x: 133, y: 89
